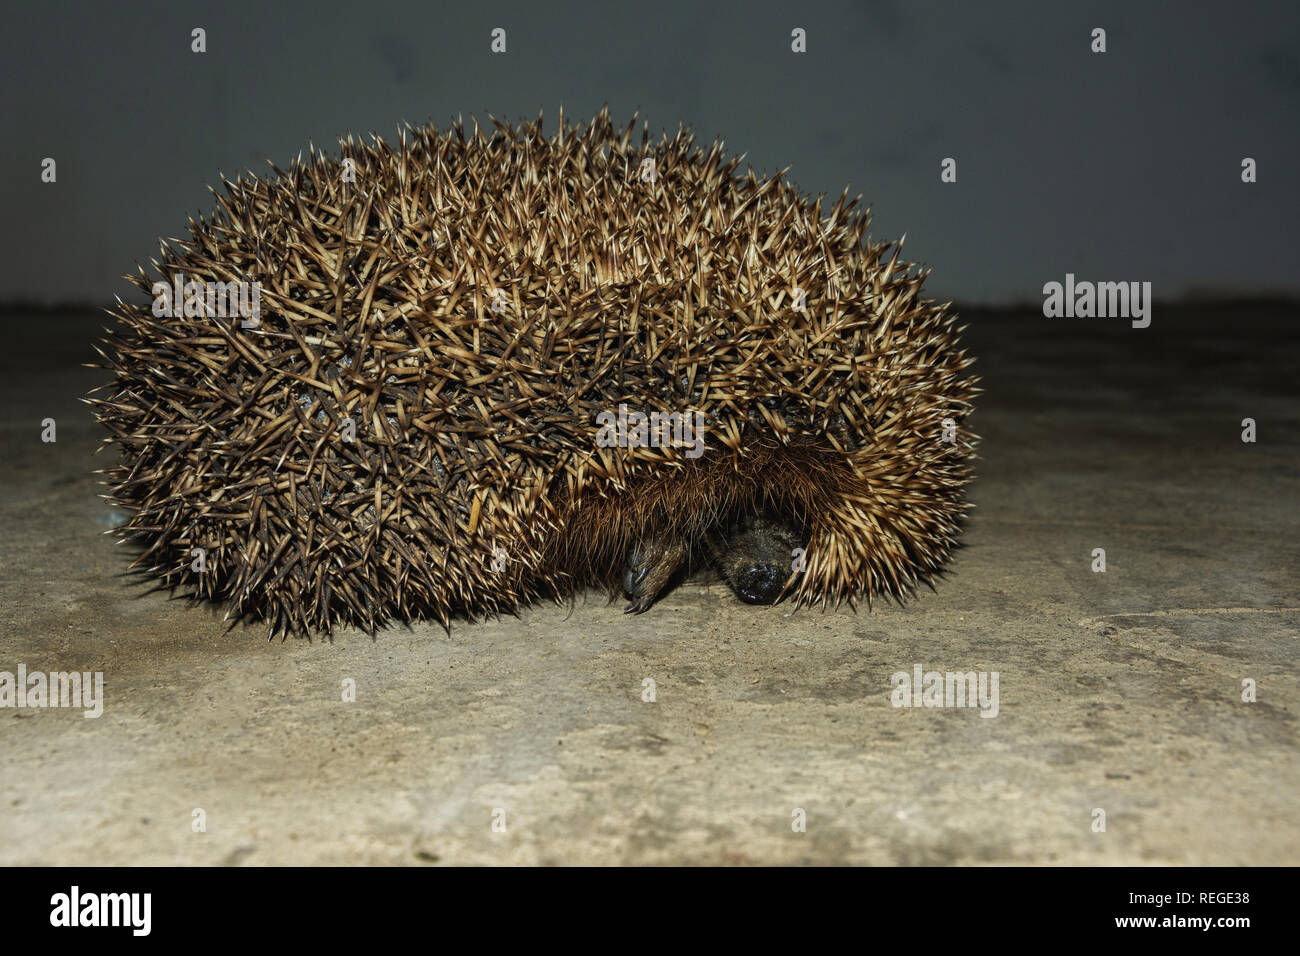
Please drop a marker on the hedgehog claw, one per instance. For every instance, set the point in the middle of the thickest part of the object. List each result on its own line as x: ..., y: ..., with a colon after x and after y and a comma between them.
x: 651, y: 563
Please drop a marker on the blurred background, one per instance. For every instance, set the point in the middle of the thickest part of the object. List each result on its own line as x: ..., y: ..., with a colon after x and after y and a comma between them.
x: 1119, y: 166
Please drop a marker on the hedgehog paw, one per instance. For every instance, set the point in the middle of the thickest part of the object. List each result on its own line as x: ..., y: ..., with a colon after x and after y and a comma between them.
x: 650, y: 565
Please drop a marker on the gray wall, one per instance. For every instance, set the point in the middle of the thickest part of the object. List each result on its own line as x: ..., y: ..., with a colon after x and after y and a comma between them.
x: 1117, y: 166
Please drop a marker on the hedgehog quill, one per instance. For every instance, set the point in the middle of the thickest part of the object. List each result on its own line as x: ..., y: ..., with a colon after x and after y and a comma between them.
x: 481, y: 368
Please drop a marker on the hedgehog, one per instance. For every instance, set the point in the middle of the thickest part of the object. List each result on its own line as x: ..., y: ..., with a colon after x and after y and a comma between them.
x: 484, y: 367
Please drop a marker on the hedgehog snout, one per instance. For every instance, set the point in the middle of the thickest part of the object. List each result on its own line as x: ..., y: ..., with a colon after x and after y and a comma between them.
x: 758, y: 555
x: 759, y: 583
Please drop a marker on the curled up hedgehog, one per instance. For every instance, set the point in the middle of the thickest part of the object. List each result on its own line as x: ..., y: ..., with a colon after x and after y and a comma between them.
x: 475, y: 369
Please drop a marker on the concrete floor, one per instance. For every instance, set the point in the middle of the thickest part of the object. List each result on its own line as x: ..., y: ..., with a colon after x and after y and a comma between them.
x: 1118, y: 691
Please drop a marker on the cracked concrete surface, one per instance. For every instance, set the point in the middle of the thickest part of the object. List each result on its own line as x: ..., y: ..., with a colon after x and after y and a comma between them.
x: 1119, y: 691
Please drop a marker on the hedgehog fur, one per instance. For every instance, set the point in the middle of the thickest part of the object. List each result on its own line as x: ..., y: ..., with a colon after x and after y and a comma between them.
x: 465, y: 304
